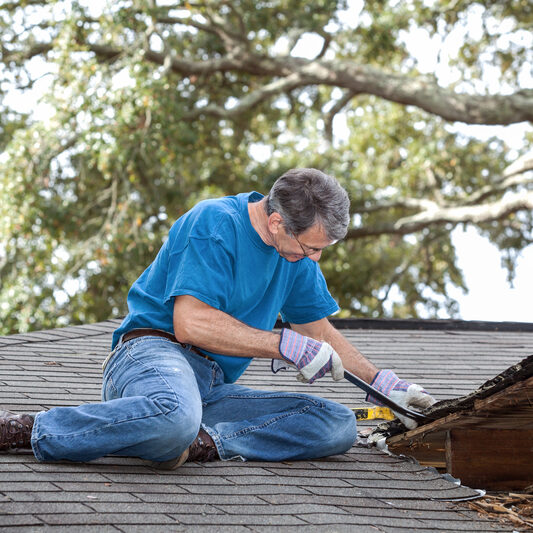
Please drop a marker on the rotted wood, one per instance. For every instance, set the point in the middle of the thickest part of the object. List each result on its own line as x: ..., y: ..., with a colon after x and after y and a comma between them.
x: 508, y: 409
x: 488, y: 445
x: 428, y: 451
x: 492, y: 459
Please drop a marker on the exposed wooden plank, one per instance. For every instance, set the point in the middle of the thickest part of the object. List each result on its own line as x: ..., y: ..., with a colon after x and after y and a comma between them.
x: 503, y: 409
x: 497, y: 459
x: 429, y: 451
x: 487, y: 441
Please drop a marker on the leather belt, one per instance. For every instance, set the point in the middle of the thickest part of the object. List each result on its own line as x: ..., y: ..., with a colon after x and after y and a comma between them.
x: 148, y: 332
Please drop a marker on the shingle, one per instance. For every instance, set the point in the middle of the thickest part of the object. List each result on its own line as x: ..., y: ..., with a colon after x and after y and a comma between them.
x: 89, y: 468
x: 14, y: 467
x: 281, y: 509
x: 390, y: 511
x: 455, y: 525
x: 245, y: 489
x: 331, y: 528
x: 224, y: 519
x: 386, y: 493
x: 106, y: 518
x: 171, y: 528
x: 185, y: 479
x: 10, y: 521
x: 423, y: 504
x: 8, y: 477
x: 403, y: 484
x: 356, y: 461
x: 215, y: 499
x: 217, y: 470
x: 33, y: 486
x: 118, y: 487
x: 326, y: 520
x: 334, y: 501
x: 17, y: 508
x: 367, y: 471
x: 425, y: 474
x: 154, y: 507
x: 71, y: 528
x: 288, y: 481
x: 61, y: 496
x: 488, y: 528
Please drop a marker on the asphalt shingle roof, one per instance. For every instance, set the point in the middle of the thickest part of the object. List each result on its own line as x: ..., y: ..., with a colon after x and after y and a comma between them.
x: 363, y: 490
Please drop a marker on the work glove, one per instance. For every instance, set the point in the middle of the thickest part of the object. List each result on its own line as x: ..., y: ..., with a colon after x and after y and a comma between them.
x: 312, y: 358
x: 409, y: 395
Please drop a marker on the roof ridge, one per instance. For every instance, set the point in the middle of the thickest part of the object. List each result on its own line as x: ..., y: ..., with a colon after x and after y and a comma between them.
x: 428, y: 324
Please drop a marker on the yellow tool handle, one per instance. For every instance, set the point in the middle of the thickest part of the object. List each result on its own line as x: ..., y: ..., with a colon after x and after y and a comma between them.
x: 372, y: 413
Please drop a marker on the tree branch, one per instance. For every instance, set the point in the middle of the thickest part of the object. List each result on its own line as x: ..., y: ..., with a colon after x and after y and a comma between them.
x: 450, y: 105
x: 513, y: 175
x: 185, y: 21
x: 10, y: 6
x: 405, y: 203
x: 18, y: 56
x: 521, y: 165
x: 364, y: 79
x: 478, y: 214
x: 325, y: 45
x: 501, y: 186
x: 337, y: 108
x: 231, y: 40
x: 251, y: 100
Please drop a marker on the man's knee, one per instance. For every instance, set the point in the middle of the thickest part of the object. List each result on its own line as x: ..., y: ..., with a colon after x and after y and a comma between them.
x: 341, y: 428
x: 346, y: 429
x: 175, y: 428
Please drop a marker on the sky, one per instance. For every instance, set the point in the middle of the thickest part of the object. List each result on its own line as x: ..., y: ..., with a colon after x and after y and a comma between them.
x: 490, y: 296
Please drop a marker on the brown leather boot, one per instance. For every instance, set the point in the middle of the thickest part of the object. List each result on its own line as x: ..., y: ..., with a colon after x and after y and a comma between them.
x: 202, y: 449
x: 15, y: 430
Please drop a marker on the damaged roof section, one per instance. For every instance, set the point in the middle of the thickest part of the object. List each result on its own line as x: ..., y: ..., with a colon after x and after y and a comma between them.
x: 484, y: 438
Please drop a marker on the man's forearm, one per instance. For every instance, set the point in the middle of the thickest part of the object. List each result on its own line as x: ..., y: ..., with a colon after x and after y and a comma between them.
x: 203, y: 326
x: 352, y: 359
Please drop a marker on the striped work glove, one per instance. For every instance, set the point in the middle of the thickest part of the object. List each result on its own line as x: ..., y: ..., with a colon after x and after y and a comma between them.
x: 409, y: 395
x: 312, y: 358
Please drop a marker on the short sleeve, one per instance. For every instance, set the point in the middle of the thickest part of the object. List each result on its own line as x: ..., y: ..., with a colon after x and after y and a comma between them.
x: 309, y: 298
x: 203, y: 268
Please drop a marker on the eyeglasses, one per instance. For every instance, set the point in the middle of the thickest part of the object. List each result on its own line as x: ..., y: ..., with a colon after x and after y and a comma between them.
x: 310, y: 251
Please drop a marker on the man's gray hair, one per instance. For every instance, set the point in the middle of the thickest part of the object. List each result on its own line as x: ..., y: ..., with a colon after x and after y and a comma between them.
x: 305, y: 197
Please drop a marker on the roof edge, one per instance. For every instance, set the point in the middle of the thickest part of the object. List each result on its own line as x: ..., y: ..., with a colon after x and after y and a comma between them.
x: 426, y: 324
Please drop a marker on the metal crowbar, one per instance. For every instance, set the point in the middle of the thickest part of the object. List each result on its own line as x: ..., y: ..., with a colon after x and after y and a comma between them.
x: 415, y: 415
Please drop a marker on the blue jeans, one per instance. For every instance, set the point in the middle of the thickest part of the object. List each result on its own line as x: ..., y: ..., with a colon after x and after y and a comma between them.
x: 156, y: 394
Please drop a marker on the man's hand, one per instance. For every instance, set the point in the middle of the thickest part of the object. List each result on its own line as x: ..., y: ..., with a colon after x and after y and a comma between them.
x: 312, y: 358
x: 409, y: 395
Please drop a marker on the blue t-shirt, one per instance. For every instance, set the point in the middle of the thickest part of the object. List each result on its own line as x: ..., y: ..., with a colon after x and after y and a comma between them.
x: 214, y: 254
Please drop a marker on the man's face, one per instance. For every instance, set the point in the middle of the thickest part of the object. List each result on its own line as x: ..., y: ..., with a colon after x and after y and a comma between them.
x: 308, y: 244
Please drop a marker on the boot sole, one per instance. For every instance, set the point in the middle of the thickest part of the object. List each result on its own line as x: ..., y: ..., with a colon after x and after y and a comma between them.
x: 172, y: 464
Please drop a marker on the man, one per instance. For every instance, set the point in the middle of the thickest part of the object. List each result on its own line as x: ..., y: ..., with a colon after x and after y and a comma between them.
x: 197, y: 315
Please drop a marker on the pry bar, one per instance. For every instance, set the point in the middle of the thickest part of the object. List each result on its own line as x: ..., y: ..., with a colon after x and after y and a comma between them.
x: 415, y: 415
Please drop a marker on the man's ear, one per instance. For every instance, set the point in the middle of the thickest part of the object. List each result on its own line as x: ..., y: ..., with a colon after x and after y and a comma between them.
x: 274, y: 222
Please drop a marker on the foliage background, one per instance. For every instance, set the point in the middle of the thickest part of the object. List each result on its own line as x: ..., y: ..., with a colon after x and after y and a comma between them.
x: 152, y: 106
